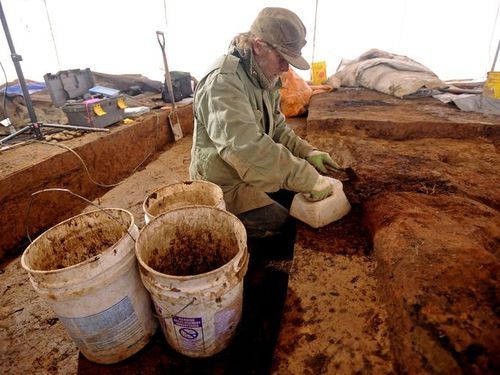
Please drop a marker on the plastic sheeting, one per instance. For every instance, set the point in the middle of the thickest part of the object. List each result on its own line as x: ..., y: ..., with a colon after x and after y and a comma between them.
x: 389, y: 73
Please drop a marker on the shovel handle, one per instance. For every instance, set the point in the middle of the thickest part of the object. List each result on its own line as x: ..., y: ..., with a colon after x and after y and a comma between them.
x: 168, y: 79
x: 161, y: 39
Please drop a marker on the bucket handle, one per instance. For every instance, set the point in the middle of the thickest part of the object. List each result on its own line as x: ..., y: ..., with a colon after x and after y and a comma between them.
x: 178, y: 312
x: 65, y: 191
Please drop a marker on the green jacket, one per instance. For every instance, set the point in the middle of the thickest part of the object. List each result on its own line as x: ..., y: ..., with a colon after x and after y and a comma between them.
x: 241, y: 142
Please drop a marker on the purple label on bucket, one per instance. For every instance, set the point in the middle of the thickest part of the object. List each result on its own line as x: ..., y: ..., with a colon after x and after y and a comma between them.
x: 189, y: 333
x: 187, y: 322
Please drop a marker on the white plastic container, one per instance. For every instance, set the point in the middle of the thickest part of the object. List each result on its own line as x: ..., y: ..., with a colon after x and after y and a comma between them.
x: 182, y: 194
x: 193, y: 260
x: 85, y: 269
x: 323, y: 212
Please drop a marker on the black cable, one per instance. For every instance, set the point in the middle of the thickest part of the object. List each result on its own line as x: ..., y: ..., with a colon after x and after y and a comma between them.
x: 4, y: 108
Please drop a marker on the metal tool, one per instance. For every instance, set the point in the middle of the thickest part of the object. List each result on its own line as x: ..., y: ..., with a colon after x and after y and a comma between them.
x: 343, y: 174
x: 173, y: 117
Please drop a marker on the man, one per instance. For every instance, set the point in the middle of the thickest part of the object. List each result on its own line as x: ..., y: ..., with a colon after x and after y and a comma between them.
x: 241, y: 142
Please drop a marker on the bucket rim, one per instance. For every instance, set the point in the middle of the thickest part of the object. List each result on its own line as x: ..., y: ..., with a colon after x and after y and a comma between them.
x: 183, y: 182
x: 243, y: 251
x: 86, y: 261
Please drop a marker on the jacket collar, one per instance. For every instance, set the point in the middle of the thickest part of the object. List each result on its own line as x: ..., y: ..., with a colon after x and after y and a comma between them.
x: 252, y: 69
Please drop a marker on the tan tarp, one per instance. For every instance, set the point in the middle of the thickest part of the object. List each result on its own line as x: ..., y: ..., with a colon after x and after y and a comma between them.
x: 388, y: 73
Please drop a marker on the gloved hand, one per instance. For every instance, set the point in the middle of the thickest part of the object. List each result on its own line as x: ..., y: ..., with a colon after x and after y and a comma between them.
x: 321, y: 189
x: 318, y: 159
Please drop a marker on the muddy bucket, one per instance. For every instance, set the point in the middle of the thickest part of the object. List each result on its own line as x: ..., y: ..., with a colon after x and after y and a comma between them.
x: 193, y: 260
x: 182, y: 194
x: 85, y: 269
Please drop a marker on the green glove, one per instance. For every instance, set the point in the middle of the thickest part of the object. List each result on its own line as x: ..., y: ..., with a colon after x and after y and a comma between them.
x: 320, y: 159
x: 321, y: 189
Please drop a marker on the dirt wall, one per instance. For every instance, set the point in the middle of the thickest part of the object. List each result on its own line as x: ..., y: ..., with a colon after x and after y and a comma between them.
x: 108, y: 157
x: 437, y: 258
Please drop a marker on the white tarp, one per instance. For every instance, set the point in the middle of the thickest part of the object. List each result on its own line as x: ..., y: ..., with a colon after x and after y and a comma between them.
x: 472, y: 102
x: 388, y: 73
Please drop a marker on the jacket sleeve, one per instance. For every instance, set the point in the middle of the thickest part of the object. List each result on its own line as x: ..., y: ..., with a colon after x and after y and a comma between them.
x: 286, y: 136
x: 232, y: 127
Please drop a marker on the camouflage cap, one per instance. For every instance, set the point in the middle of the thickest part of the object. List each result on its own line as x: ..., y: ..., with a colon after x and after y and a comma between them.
x: 282, y: 29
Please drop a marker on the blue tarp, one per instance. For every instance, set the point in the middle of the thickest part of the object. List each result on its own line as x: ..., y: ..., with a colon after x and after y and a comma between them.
x: 14, y: 90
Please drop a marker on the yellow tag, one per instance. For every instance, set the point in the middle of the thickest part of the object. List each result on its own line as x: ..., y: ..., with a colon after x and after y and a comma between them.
x: 98, y: 110
x: 319, y: 72
x: 121, y: 103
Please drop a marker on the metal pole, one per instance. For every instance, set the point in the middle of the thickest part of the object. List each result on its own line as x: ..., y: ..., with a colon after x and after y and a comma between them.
x: 35, y: 126
x: 16, y: 59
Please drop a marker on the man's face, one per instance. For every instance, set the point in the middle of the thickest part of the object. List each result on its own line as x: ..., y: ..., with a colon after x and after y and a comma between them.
x: 270, y: 61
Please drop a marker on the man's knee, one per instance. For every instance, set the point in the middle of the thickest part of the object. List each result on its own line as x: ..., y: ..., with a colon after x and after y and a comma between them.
x: 265, y: 221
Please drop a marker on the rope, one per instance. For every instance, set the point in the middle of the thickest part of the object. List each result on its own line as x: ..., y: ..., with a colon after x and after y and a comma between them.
x: 165, y: 12
x: 91, y: 179
x: 76, y: 195
x: 83, y: 163
x: 177, y: 313
x: 5, y: 92
x: 314, y: 33
x: 153, y: 149
x: 52, y: 34
x: 492, y: 35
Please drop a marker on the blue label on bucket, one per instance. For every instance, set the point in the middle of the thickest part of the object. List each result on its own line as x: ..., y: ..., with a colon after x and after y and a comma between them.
x: 107, y: 329
x: 225, y: 322
x: 189, y: 333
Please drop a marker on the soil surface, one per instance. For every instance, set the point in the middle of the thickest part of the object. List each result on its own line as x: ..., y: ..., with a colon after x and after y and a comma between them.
x: 76, y: 240
x: 407, y: 282
x: 437, y: 257
x: 338, y: 328
x: 424, y: 181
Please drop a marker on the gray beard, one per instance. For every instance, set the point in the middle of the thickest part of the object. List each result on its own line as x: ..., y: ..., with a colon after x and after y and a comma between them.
x: 264, y: 81
x: 274, y: 81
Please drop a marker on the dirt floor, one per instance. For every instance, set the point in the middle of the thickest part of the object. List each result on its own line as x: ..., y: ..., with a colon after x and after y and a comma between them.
x: 430, y: 196
x: 407, y: 282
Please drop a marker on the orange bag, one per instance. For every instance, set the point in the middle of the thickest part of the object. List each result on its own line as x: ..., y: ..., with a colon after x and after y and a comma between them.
x: 319, y: 89
x: 295, y: 94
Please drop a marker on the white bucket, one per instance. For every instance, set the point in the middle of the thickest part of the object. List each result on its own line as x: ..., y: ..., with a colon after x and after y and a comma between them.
x: 181, y: 194
x: 85, y: 269
x: 193, y: 260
